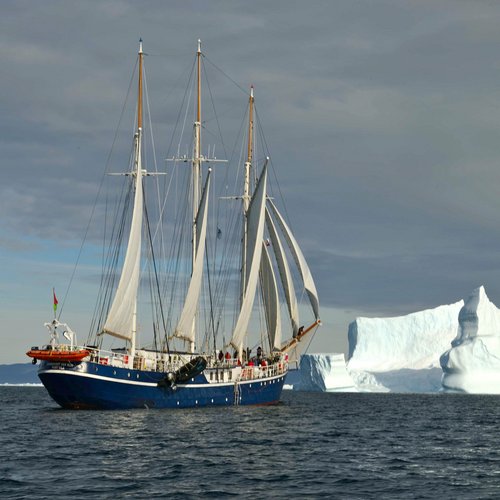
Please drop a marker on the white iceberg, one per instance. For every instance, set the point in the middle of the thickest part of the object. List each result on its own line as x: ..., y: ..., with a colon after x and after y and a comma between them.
x: 324, y: 373
x: 472, y: 364
x: 401, y: 354
x: 405, y: 353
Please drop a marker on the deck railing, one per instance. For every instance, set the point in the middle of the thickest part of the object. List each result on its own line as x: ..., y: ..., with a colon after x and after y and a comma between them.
x: 175, y: 361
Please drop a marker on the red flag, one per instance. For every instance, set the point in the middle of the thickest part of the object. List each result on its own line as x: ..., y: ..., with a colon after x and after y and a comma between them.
x: 55, y: 300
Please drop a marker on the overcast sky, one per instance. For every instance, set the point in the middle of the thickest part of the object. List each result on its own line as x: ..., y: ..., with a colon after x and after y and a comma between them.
x: 382, y: 118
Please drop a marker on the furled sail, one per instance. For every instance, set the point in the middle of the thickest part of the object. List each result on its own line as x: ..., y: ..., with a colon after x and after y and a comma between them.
x: 255, y: 233
x: 270, y: 298
x: 285, y: 274
x: 300, y: 261
x: 119, y: 322
x: 184, y: 328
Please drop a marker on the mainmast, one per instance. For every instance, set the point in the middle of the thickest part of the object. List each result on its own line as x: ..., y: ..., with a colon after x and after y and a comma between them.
x: 197, y: 148
x: 186, y: 326
x: 197, y: 160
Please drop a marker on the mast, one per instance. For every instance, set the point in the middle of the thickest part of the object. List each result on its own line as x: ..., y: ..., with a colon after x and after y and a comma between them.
x: 139, y: 91
x: 246, y: 201
x: 196, y: 170
x: 246, y: 193
x: 248, y: 163
x: 138, y: 180
x: 197, y: 147
x: 186, y: 326
x: 122, y: 316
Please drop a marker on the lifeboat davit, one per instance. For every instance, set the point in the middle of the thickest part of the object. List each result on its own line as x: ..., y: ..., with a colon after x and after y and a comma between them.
x: 58, y: 356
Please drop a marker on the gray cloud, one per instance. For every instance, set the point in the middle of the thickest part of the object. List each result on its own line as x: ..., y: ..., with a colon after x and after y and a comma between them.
x: 382, y: 119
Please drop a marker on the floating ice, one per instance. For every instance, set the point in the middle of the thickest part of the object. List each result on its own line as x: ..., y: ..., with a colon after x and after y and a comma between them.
x: 401, y: 354
x: 473, y: 362
x: 325, y: 373
x: 414, y: 341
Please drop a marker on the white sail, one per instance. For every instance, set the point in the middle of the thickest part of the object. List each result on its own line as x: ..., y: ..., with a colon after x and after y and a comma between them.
x: 270, y: 298
x: 300, y: 261
x: 285, y: 274
x: 120, y: 320
x: 255, y: 234
x: 184, y: 328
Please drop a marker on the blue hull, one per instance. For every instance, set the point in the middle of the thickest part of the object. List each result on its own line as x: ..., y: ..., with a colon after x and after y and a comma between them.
x: 89, y: 385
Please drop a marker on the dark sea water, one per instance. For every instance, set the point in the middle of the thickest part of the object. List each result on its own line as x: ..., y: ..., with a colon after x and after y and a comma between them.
x: 312, y: 445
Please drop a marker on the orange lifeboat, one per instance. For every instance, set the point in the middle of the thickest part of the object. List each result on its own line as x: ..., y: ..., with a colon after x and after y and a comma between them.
x: 57, y: 355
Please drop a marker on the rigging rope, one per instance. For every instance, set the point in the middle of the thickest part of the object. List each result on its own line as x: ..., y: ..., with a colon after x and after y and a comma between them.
x: 106, y: 165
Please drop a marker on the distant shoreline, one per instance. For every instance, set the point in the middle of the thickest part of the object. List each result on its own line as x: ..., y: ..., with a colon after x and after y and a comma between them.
x: 20, y: 385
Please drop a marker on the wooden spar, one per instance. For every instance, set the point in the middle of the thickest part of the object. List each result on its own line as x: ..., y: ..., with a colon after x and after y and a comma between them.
x: 250, y: 126
x: 198, y: 57
x: 246, y: 193
x: 197, y: 148
x: 139, y: 98
x: 292, y: 343
x: 196, y: 170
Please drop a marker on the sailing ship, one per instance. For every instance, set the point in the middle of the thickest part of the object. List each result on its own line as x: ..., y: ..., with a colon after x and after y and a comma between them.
x: 212, y: 372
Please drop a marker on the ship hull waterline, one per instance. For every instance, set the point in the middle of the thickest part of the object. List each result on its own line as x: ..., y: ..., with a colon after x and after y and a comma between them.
x: 90, y: 385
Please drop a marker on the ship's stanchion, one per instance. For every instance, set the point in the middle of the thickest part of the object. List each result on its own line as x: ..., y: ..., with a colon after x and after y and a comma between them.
x: 236, y: 394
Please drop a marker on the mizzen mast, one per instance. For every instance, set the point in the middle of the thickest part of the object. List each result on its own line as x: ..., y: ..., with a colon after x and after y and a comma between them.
x: 248, y: 163
x: 246, y: 192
